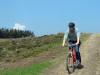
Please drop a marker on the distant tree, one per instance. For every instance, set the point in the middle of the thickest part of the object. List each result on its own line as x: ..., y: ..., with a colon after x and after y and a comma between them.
x: 13, y: 33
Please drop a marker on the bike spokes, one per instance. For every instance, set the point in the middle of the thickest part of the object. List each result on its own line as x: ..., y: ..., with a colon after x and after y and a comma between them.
x: 70, y: 64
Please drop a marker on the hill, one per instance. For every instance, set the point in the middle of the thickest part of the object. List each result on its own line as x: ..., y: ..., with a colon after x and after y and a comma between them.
x: 21, y: 56
x: 12, y: 49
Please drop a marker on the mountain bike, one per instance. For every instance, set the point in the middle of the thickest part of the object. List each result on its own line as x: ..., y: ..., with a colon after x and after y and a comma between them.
x: 71, y: 61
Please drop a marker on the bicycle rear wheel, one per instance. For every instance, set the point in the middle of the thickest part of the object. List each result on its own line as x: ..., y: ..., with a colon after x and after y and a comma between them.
x: 69, y: 64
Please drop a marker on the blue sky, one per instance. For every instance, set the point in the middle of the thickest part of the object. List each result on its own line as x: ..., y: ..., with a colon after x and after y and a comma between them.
x: 50, y: 16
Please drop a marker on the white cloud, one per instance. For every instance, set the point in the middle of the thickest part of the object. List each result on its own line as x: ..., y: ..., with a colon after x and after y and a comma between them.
x: 19, y: 26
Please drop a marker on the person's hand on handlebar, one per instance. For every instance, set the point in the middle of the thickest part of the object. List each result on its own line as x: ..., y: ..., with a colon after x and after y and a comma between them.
x: 64, y: 45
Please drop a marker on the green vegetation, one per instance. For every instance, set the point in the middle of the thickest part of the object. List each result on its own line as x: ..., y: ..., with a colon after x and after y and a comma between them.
x: 84, y: 36
x: 13, y: 49
x: 25, y: 47
x: 34, y: 69
x: 13, y: 33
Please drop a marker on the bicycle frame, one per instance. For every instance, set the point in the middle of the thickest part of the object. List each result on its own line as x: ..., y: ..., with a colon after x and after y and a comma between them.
x: 74, y: 56
x: 71, y: 59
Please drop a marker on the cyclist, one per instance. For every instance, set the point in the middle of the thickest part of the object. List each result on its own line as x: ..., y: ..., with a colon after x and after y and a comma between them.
x: 73, y: 35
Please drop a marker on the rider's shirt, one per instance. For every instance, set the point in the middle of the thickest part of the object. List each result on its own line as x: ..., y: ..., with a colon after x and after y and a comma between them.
x: 72, y: 35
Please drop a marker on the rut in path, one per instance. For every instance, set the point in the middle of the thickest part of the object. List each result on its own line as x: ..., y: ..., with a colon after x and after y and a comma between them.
x: 90, y: 53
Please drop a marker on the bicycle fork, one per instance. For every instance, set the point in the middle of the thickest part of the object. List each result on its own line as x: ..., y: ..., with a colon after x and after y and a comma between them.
x: 72, y: 55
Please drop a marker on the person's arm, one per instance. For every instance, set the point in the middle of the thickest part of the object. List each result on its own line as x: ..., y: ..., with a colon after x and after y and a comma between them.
x: 78, y: 37
x: 65, y: 38
x: 64, y: 41
x: 78, y: 40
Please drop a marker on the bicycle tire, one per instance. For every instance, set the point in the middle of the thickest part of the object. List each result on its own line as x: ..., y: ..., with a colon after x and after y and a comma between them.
x: 70, y: 69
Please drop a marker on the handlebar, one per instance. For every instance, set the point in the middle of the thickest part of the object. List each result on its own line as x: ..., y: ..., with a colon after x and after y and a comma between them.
x: 70, y: 45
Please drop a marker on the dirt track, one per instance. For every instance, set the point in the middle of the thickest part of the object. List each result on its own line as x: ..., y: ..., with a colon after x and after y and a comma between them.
x: 90, y: 52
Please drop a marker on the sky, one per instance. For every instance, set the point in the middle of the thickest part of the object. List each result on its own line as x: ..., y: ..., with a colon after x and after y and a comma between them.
x: 45, y: 17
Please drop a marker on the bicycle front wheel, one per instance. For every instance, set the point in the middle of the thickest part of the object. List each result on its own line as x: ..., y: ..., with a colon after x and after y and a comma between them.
x: 69, y: 64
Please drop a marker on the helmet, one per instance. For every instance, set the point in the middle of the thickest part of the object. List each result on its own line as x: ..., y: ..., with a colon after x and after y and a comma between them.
x: 71, y: 24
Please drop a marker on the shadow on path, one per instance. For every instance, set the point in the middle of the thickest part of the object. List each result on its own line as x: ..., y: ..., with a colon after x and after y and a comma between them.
x: 80, y: 67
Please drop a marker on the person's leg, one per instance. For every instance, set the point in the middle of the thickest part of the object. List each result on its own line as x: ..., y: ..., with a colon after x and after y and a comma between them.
x: 78, y: 53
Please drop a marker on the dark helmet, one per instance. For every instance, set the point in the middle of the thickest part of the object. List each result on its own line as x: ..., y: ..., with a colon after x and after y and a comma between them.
x: 71, y: 24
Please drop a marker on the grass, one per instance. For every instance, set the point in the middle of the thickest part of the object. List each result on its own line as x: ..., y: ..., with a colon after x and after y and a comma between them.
x: 84, y: 37
x: 14, y: 49
x: 34, y: 69
x: 19, y: 48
